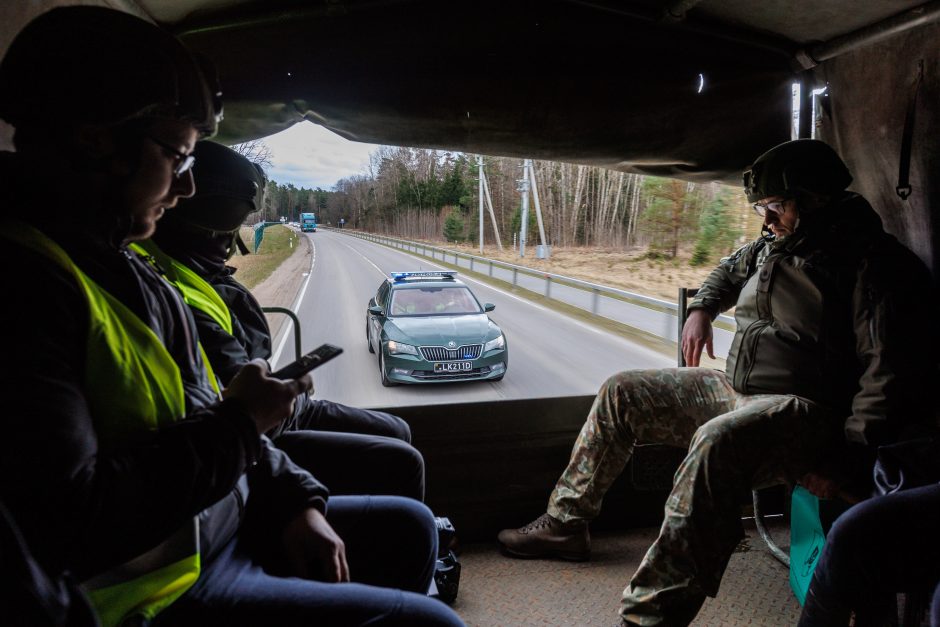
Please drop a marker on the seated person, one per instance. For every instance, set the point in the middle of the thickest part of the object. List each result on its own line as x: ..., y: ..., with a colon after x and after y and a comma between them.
x: 405, y: 303
x: 425, y: 301
x: 831, y: 351
x: 28, y: 596
x: 343, y: 446
x: 128, y: 472
x: 462, y: 302
x: 876, y: 549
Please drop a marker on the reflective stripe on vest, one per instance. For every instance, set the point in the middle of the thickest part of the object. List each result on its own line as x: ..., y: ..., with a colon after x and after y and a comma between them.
x: 132, y: 386
x: 197, y: 292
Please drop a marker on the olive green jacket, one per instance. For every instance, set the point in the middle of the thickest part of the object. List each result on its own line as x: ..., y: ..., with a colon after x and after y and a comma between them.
x: 838, y: 312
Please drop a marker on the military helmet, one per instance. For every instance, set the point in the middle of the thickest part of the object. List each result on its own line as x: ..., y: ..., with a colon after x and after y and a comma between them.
x: 84, y: 64
x: 228, y: 188
x: 794, y: 166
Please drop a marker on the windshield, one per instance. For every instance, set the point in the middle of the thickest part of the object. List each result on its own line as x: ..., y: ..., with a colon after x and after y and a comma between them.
x: 429, y: 301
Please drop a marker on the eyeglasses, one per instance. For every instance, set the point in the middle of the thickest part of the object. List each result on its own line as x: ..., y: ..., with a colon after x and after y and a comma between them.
x: 184, y: 161
x: 776, y: 206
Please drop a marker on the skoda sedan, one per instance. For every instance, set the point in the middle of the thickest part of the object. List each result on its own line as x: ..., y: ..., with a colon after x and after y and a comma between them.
x: 428, y: 327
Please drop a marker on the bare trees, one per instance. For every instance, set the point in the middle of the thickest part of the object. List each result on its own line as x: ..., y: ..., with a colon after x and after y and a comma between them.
x: 412, y: 193
x: 255, y: 151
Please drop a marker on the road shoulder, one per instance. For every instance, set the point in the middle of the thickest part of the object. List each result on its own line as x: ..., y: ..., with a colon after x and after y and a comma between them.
x: 281, y: 288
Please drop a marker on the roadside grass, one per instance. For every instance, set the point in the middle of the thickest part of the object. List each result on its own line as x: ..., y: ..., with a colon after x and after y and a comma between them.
x: 630, y: 270
x: 278, y: 244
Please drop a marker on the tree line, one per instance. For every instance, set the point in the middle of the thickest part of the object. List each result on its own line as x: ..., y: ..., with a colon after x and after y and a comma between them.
x: 433, y: 195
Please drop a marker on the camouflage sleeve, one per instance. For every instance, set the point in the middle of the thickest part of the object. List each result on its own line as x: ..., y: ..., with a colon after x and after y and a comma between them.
x: 719, y: 292
x: 894, y: 309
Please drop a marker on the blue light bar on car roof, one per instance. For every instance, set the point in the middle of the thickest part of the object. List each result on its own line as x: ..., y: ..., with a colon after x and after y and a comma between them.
x: 437, y: 274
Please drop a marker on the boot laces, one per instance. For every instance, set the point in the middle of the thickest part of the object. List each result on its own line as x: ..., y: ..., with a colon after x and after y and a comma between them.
x: 542, y: 522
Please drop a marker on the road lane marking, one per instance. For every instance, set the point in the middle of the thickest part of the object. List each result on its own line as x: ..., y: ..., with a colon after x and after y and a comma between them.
x: 300, y: 297
x: 378, y: 269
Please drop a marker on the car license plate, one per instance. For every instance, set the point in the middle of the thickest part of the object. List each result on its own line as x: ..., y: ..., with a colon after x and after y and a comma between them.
x: 453, y: 366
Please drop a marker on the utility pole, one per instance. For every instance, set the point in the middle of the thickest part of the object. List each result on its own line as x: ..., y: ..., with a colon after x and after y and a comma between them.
x: 538, y: 209
x: 526, y: 184
x: 480, y: 170
x: 523, y: 188
x: 489, y: 203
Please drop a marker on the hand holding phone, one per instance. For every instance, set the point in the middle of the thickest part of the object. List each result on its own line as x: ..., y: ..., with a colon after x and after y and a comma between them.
x: 308, y: 362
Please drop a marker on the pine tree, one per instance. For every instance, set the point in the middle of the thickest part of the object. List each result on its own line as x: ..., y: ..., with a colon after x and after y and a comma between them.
x: 454, y: 227
x: 716, y: 231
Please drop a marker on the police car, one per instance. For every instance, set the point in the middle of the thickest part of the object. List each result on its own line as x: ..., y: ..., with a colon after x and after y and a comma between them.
x: 428, y: 327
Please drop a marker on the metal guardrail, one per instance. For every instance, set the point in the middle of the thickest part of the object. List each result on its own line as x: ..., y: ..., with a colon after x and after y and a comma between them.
x: 514, y: 274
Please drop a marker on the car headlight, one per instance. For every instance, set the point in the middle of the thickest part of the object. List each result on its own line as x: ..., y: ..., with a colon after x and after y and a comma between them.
x: 495, y: 344
x: 397, y: 348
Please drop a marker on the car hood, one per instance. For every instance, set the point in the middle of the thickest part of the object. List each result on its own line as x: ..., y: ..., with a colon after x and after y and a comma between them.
x: 439, y: 330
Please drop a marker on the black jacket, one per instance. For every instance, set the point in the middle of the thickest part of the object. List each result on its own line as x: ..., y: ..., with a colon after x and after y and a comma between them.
x: 838, y: 312
x: 82, y: 507
x: 250, y: 337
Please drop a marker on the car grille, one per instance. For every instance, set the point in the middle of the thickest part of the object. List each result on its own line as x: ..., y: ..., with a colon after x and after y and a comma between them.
x: 448, y: 376
x: 439, y: 353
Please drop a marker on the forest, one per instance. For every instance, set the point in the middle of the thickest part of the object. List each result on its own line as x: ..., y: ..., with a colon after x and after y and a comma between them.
x: 434, y: 196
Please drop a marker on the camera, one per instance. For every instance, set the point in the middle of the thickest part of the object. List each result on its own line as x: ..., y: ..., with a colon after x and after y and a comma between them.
x: 447, y: 569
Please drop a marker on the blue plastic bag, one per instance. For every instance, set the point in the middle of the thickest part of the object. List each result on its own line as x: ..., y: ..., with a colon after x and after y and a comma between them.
x: 806, y: 540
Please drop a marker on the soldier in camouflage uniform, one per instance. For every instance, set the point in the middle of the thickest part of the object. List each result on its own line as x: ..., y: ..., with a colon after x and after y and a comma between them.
x: 829, y: 354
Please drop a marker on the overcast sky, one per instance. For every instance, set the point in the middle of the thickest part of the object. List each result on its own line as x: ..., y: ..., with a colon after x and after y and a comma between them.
x: 308, y: 155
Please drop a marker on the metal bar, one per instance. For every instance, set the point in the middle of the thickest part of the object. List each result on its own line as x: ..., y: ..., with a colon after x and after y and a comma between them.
x: 548, y: 286
x: 894, y: 25
x: 775, y: 550
x: 806, y: 121
x: 680, y: 319
x: 287, y: 312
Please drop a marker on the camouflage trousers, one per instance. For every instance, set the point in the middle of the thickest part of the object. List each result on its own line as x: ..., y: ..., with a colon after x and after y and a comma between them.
x: 736, y: 442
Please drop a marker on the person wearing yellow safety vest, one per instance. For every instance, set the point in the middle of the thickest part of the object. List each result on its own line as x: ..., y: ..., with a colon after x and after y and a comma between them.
x: 118, y: 444
x: 341, y: 445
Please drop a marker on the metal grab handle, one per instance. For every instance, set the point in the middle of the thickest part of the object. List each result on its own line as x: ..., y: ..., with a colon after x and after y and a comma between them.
x: 685, y: 293
x: 296, y: 320
x: 775, y: 550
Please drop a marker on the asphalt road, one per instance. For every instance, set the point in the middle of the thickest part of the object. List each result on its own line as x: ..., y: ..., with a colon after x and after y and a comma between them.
x: 550, y: 354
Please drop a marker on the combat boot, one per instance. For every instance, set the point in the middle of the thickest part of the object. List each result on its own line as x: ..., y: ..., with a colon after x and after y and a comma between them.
x: 548, y: 537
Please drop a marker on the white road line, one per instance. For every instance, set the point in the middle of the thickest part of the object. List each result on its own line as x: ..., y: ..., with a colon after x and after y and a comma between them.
x: 285, y: 331
x: 378, y: 269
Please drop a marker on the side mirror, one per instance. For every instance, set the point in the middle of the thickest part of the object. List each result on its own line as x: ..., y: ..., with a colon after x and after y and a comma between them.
x: 375, y: 310
x: 489, y: 307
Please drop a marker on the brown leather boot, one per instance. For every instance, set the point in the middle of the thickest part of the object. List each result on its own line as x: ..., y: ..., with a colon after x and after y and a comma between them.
x: 547, y: 537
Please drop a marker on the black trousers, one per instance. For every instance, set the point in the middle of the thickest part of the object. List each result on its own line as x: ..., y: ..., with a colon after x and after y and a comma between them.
x: 876, y: 549
x: 355, y: 451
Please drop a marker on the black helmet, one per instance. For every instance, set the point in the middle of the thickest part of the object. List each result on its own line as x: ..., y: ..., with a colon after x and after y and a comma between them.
x: 799, y: 165
x: 221, y: 176
x: 96, y: 65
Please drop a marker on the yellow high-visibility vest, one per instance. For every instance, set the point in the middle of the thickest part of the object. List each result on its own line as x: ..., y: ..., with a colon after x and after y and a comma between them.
x: 197, y: 292
x: 132, y: 386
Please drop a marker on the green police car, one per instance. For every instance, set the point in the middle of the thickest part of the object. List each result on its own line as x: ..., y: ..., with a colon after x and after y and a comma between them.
x: 428, y: 327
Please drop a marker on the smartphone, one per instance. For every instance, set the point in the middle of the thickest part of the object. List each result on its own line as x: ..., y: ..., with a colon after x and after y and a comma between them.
x: 308, y: 362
